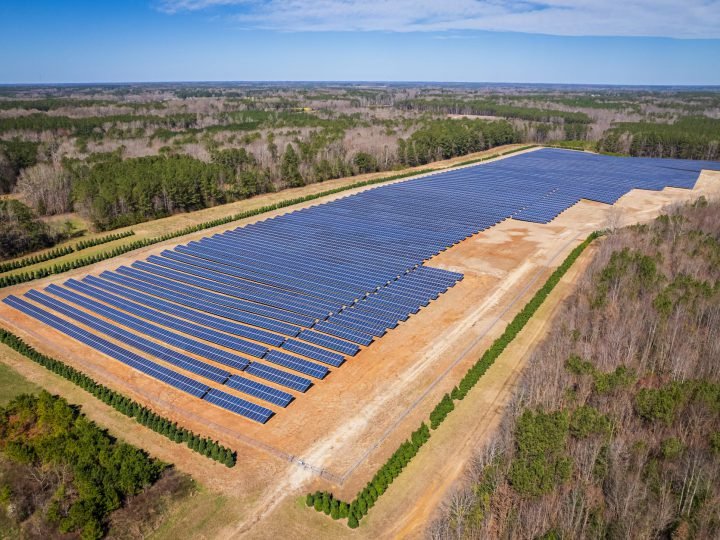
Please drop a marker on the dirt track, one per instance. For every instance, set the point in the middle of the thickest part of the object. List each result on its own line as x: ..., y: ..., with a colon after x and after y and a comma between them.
x: 348, y: 424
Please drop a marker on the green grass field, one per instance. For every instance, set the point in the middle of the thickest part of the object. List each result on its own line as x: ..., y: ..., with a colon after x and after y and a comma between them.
x: 13, y: 384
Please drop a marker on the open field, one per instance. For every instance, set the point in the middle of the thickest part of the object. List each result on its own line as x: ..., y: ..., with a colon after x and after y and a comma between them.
x: 13, y: 384
x: 396, y: 384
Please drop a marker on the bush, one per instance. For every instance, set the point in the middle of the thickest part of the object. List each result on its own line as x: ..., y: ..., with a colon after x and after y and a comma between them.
x: 660, y: 404
x: 540, y: 463
x: 671, y: 448
x: 441, y: 411
x: 586, y: 421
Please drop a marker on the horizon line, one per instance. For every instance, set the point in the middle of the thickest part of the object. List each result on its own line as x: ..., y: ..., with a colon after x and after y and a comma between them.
x: 358, y: 81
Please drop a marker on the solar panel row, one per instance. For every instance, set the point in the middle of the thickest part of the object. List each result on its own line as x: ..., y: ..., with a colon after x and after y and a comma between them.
x: 129, y: 358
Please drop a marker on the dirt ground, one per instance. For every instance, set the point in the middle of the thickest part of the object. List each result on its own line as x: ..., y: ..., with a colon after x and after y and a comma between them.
x: 348, y: 424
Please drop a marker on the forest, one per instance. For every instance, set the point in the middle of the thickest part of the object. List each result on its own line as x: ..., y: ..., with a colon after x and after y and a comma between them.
x: 573, y: 124
x: 614, y: 430
x: 116, y: 155
x: 60, y: 473
x: 691, y: 137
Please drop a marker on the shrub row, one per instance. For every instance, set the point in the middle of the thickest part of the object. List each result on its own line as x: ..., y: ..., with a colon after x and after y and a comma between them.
x: 34, y: 259
x: 499, y: 154
x: 24, y: 277
x: 365, y: 500
x: 441, y: 410
x: 123, y: 404
x: 324, y: 501
x: 84, y: 244
x: 120, y: 250
x: 61, y: 251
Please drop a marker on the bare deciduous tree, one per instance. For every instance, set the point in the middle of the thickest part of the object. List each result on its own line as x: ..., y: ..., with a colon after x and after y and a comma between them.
x: 45, y: 187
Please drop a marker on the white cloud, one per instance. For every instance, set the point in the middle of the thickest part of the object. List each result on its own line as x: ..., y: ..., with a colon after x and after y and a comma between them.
x: 657, y: 18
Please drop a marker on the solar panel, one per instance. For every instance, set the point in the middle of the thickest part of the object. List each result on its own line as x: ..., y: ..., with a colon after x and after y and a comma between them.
x: 269, y: 373
x: 316, y: 353
x: 259, y: 390
x: 330, y: 342
x: 345, y: 333
x: 238, y: 405
x: 298, y: 364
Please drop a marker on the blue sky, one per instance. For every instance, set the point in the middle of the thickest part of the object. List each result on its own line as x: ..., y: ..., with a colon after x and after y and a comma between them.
x: 552, y: 41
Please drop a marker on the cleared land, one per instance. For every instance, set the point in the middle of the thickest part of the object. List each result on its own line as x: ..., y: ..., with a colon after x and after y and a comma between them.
x: 390, y: 386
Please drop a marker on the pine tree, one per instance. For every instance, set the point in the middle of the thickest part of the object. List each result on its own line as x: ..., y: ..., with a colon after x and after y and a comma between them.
x: 290, y: 168
x: 352, y: 521
x: 310, y: 499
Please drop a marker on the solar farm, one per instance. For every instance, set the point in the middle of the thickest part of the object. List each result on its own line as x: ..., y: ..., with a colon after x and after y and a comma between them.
x: 251, y: 321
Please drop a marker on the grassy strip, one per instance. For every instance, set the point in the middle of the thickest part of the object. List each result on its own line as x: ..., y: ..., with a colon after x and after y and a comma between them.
x: 61, y: 251
x: 15, y: 279
x: 123, y: 404
x: 479, y: 160
x: 84, y: 244
x: 368, y: 496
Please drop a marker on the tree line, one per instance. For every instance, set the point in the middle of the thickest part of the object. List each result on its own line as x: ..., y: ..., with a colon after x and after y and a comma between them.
x: 693, y: 137
x: 575, y: 124
x: 444, y: 139
x: 92, y: 126
x: 116, y: 192
x: 51, y: 104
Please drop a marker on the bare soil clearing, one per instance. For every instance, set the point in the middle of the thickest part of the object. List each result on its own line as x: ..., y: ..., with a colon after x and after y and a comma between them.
x: 350, y: 423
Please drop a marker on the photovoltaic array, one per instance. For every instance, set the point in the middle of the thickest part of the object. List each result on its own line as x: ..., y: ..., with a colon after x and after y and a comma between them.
x: 249, y: 318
